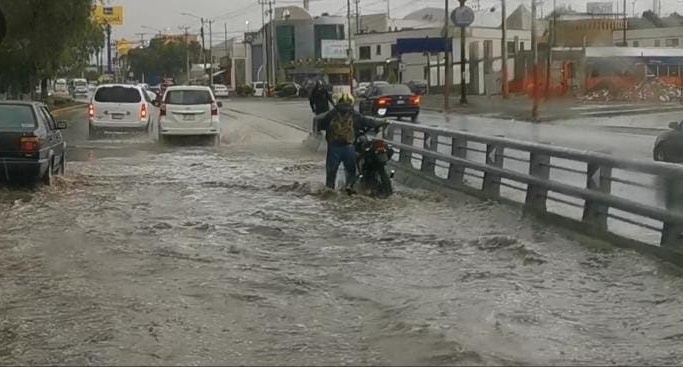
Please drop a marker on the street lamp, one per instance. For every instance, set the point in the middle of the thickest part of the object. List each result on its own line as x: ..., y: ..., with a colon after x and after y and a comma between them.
x: 247, y: 22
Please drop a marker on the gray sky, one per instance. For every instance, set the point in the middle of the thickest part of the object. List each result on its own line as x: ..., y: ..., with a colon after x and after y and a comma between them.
x: 163, y: 14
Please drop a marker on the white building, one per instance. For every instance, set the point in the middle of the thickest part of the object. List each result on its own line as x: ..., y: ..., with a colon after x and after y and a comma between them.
x: 651, y: 37
x: 377, y: 59
x: 235, y: 54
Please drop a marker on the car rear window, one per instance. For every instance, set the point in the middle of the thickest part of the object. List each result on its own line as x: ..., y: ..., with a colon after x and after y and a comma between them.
x: 14, y: 117
x: 118, y: 95
x: 188, y: 97
x: 394, y: 90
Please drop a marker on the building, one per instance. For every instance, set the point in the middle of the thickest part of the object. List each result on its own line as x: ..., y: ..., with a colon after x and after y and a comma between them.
x: 651, y: 37
x: 377, y: 58
x: 298, y: 36
x: 585, y: 30
x: 231, y: 57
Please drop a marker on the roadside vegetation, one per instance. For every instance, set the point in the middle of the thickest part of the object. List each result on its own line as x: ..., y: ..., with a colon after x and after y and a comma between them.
x: 46, y: 38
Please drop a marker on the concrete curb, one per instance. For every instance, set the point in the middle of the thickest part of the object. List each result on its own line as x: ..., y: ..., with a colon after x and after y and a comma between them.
x: 70, y: 108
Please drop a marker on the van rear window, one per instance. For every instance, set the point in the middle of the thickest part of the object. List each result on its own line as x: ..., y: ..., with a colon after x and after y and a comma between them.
x: 188, y: 97
x: 13, y: 117
x: 118, y: 94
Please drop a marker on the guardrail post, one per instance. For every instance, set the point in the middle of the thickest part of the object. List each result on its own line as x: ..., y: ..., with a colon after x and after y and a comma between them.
x: 672, y: 232
x: 537, y: 196
x: 431, y: 143
x: 405, y: 156
x: 598, y: 178
x: 494, y: 157
x: 456, y: 174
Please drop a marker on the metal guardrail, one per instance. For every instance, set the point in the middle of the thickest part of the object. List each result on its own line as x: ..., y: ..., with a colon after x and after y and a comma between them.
x: 608, y: 193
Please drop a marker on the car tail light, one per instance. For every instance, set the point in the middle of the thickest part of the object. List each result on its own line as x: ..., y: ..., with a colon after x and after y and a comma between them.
x: 214, y: 108
x: 143, y: 112
x: 383, y: 101
x: 30, y: 144
x: 162, y: 109
x: 380, y: 146
x: 415, y: 100
x: 91, y: 111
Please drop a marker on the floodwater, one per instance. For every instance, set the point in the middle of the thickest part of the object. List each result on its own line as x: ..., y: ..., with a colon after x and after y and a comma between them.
x: 238, y: 255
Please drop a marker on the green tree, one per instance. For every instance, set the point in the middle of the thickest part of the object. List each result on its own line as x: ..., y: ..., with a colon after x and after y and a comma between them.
x: 44, y: 38
x: 163, y: 57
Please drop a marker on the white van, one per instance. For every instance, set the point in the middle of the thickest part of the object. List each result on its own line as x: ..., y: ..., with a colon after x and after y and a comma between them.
x: 61, y: 86
x: 119, y: 107
x: 258, y: 89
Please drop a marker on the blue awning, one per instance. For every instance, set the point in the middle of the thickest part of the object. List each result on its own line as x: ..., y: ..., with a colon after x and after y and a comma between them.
x: 422, y: 45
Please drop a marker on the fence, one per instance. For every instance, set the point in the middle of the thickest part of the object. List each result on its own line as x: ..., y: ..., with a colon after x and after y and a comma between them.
x: 634, y: 200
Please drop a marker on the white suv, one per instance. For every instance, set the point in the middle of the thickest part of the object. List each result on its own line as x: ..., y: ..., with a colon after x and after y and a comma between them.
x: 118, y: 107
x: 189, y: 111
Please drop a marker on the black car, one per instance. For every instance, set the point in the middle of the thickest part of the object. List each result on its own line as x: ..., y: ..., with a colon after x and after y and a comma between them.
x: 32, y: 147
x: 392, y: 100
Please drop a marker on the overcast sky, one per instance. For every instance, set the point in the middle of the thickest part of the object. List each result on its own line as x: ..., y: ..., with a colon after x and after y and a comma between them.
x: 166, y: 14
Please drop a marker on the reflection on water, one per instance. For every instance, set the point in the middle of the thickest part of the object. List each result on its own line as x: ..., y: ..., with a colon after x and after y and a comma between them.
x: 241, y: 256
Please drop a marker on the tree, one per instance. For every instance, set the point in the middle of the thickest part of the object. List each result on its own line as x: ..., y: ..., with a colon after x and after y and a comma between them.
x: 651, y: 17
x: 44, y: 38
x: 163, y: 57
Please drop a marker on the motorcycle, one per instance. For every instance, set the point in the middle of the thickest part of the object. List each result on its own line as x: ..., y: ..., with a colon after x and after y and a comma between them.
x: 373, y: 156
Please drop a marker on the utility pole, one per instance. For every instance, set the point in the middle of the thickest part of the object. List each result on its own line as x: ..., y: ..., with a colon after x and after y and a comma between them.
x: 187, y: 52
x: 273, y: 54
x: 357, y: 16
x: 350, y: 49
x: 264, y: 45
x: 463, y: 42
x: 624, y: 25
x: 551, y: 44
x: 227, y: 57
x: 448, y: 65
x: 109, y: 70
x: 388, y: 9
x: 534, y: 48
x: 504, y: 49
x: 210, y: 53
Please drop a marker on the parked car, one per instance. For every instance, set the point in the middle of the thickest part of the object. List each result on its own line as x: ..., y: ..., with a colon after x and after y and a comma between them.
x: 362, y: 88
x: 418, y: 87
x: 259, y: 88
x: 189, y: 111
x: 32, y: 147
x: 669, y: 145
x: 78, y: 87
x: 119, y: 107
x: 220, y: 91
x: 391, y: 100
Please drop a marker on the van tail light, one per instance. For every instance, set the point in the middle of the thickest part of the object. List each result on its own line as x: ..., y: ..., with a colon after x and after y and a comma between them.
x: 91, y: 111
x: 162, y: 109
x: 214, y: 108
x: 415, y: 100
x: 30, y: 144
x: 143, y: 112
x: 383, y: 101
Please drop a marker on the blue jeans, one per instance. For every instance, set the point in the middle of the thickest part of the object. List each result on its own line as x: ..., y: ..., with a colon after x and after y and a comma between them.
x: 337, y: 154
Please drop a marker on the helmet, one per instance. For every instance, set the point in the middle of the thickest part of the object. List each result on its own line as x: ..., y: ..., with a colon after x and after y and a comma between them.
x: 345, y: 99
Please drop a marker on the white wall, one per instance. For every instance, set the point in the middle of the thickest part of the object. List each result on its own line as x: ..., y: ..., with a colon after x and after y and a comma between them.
x: 648, y: 37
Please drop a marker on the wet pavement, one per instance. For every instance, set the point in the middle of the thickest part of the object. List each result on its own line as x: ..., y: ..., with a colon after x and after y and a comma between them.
x: 190, y: 255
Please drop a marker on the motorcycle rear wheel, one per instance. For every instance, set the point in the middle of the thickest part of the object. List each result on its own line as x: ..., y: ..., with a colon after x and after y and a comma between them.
x: 381, y: 184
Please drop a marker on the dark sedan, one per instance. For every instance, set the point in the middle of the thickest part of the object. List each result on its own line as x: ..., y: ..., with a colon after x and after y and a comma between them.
x: 394, y: 100
x: 31, y: 144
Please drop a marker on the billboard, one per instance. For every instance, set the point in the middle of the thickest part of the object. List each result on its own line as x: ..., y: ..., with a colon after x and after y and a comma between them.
x: 112, y: 15
x: 334, y: 49
x: 603, y: 7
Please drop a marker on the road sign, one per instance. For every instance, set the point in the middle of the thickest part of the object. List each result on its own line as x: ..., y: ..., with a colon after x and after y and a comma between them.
x: 462, y: 16
x: 112, y: 15
x: 3, y: 26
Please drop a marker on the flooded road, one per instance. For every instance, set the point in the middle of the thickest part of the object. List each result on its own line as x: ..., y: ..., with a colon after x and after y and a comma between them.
x: 238, y: 255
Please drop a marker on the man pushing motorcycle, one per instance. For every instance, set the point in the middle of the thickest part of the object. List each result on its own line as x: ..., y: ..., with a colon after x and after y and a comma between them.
x: 342, y: 124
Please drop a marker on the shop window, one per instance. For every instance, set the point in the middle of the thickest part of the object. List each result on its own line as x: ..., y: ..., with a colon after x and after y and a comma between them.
x: 511, y: 47
x: 378, y: 50
x: 672, y: 42
x: 658, y: 43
